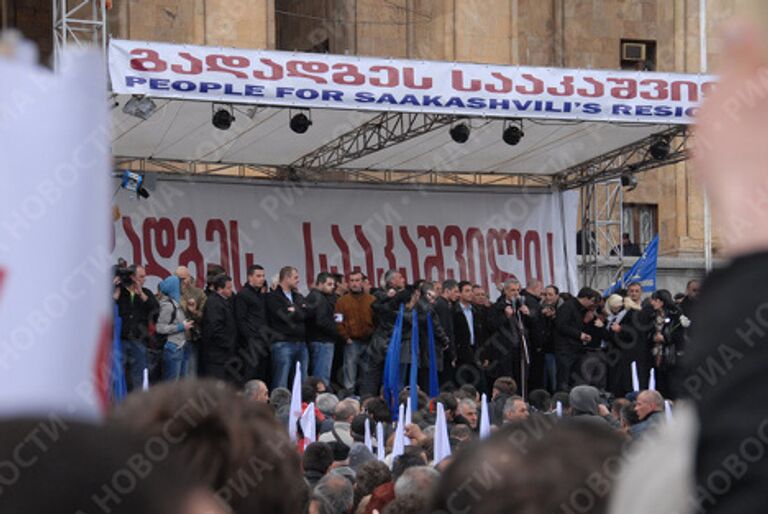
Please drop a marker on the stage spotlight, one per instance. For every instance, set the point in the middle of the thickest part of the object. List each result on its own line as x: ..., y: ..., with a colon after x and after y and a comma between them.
x: 460, y: 133
x: 141, y: 107
x: 222, y: 119
x: 629, y: 181
x: 134, y: 182
x: 300, y: 123
x: 660, y: 148
x: 513, y: 132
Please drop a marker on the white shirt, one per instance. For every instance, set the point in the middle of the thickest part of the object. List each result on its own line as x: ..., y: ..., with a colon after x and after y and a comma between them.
x: 467, y: 310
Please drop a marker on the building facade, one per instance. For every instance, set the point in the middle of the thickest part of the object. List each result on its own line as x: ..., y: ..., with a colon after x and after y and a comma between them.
x: 663, y: 34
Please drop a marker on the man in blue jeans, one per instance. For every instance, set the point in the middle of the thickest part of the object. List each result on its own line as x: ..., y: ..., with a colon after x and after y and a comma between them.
x: 286, y: 314
x: 137, y: 306
x: 321, y: 326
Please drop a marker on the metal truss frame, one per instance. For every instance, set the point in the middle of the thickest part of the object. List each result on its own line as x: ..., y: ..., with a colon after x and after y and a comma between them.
x: 380, y: 132
x: 337, y: 175
x: 78, y: 23
x: 629, y: 159
x: 602, y: 222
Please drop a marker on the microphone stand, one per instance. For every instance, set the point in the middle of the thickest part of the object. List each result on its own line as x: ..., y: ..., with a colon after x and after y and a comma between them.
x: 525, y: 358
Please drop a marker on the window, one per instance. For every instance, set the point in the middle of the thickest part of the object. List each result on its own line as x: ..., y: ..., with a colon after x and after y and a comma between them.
x: 641, y: 222
x: 637, y: 55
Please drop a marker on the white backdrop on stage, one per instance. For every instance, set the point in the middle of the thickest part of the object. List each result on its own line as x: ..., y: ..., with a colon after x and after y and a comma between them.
x: 483, y: 237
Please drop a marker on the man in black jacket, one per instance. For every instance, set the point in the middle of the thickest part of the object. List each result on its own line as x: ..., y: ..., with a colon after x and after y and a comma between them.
x: 570, y: 336
x: 443, y: 308
x: 287, y: 312
x: 218, y: 354
x: 251, y: 317
x: 469, y: 339
x: 322, y: 334
x: 507, y: 354
x: 137, y: 307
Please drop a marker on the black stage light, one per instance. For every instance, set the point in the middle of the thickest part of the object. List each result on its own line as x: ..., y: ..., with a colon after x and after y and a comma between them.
x: 660, y: 149
x: 513, y: 134
x: 300, y: 123
x: 460, y: 133
x: 222, y: 119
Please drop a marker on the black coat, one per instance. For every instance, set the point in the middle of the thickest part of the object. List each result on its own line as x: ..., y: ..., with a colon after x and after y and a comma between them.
x: 287, y: 320
x: 504, y: 345
x: 321, y: 325
x: 444, y: 312
x: 465, y: 352
x: 135, y: 314
x: 569, y: 325
x: 725, y: 377
x: 219, y: 343
x: 250, y: 315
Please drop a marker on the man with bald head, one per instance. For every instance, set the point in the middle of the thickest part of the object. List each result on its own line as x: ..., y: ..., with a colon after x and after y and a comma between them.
x: 649, y: 408
x: 192, y: 303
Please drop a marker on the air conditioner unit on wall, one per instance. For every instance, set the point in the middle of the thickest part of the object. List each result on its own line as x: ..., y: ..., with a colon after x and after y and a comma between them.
x: 634, y: 51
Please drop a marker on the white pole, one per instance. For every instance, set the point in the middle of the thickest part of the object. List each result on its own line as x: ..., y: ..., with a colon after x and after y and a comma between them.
x: 703, y: 69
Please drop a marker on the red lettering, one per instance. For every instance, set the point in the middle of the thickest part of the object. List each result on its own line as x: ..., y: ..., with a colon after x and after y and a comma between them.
x: 551, y: 255
x: 431, y: 236
x: 660, y: 90
x: 452, y: 232
x: 476, y: 242
x: 309, y: 253
x: 457, y: 81
x: 566, y: 88
x: 192, y: 255
x: 349, y: 76
x: 147, y: 60
x: 505, y: 87
x: 343, y: 247
x: 306, y: 69
x: 626, y: 89
x: 217, y: 227
x: 275, y: 69
x: 536, y: 85
x: 195, y: 65
x: 367, y: 251
x: 598, y: 90
x: 164, y: 241
x: 532, y: 240
x: 408, y: 242
x: 217, y: 62
x: 392, y: 76
x: 677, y: 93
x: 388, y: 251
x: 130, y: 233
x: 410, y: 82
x: 234, y: 242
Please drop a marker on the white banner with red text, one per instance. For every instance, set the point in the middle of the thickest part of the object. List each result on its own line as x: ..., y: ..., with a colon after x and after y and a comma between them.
x: 304, y: 80
x: 482, y: 237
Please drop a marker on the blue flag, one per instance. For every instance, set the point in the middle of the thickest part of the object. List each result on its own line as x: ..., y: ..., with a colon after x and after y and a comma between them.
x: 434, y: 386
x: 119, y: 389
x: 392, y: 366
x: 414, y: 388
x: 643, y: 272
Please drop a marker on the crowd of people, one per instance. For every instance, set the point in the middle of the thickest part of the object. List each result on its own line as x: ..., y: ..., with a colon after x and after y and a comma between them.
x: 341, y: 332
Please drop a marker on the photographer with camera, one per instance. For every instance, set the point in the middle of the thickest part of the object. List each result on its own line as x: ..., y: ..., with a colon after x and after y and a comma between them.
x: 137, y: 307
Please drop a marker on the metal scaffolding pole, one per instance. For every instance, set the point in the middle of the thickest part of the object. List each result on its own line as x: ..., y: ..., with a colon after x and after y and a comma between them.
x: 78, y: 23
x: 602, y: 224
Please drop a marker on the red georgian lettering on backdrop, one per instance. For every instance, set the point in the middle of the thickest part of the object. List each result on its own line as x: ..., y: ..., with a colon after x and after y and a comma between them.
x: 309, y: 253
x: 343, y: 248
x: 477, y: 271
x: 453, y: 233
x: 158, y: 234
x: 133, y: 238
x: 413, y: 251
x: 551, y: 256
x: 370, y: 269
x: 187, y: 231
x: 431, y: 236
x: 3, y: 275
x: 213, y: 227
x: 532, y: 240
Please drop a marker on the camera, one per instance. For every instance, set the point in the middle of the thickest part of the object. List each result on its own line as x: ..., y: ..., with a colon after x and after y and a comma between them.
x: 124, y: 274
